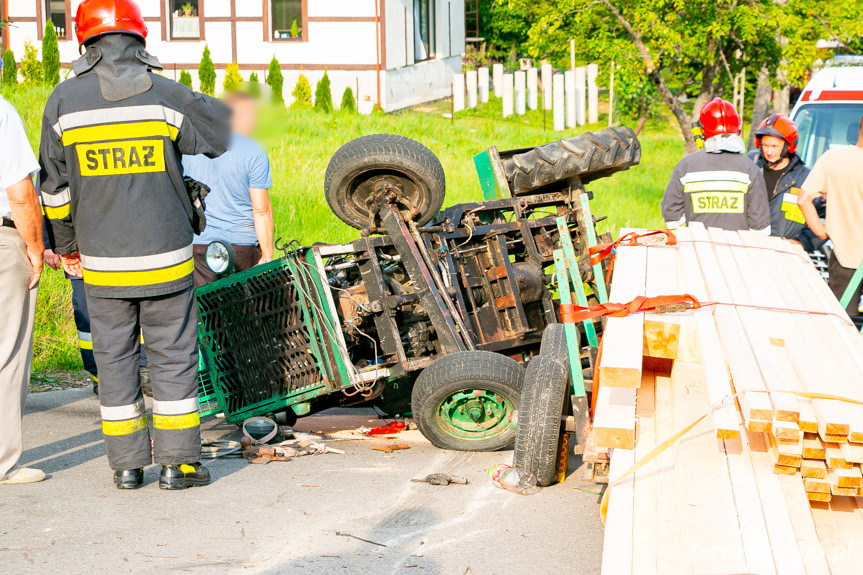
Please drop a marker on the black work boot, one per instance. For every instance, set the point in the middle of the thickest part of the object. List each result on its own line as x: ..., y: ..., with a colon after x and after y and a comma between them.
x: 183, y: 476
x: 129, y: 478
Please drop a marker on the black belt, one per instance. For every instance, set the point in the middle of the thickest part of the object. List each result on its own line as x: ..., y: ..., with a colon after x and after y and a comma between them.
x: 8, y: 223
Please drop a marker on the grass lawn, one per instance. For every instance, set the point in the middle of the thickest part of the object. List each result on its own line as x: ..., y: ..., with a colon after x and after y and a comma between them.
x: 300, y: 143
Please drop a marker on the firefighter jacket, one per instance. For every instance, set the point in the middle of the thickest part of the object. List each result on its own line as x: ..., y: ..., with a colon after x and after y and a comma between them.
x: 786, y: 219
x: 112, y: 180
x: 722, y: 190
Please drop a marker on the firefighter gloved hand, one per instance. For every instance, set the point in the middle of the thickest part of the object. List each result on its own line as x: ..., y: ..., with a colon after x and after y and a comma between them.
x: 72, y: 264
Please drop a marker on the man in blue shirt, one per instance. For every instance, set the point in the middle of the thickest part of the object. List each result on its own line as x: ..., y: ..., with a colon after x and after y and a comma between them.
x: 238, y: 211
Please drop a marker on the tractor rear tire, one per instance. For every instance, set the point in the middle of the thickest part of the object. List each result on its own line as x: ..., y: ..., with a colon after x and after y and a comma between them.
x: 363, y: 165
x: 540, y: 428
x: 467, y: 400
x: 588, y: 157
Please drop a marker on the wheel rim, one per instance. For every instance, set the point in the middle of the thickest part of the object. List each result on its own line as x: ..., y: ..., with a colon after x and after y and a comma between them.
x: 475, y: 414
x: 362, y: 190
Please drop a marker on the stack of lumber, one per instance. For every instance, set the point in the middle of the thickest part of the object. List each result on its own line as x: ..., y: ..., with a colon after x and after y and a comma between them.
x: 770, y: 480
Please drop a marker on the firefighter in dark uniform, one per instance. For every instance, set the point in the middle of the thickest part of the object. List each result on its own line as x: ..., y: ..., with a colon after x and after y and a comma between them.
x: 121, y: 218
x: 718, y: 186
x: 784, y: 172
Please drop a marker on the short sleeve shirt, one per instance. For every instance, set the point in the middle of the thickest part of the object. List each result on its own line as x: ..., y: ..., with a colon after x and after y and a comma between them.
x: 17, y: 160
x: 838, y: 174
x: 229, y: 213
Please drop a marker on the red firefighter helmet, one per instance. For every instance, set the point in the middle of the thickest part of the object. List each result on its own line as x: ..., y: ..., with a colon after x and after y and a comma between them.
x: 779, y: 126
x: 719, y: 117
x: 97, y: 17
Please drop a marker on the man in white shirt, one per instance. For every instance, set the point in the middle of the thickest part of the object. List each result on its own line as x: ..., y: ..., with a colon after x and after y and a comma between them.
x: 21, y: 248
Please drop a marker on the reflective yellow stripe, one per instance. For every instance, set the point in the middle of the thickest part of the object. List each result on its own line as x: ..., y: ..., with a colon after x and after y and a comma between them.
x: 84, y: 344
x: 119, y: 132
x: 125, y: 427
x: 145, y: 278
x: 58, y: 213
x: 176, y: 421
x: 715, y: 186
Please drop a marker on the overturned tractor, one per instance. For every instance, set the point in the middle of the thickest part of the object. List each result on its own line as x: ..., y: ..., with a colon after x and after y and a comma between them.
x: 429, y: 312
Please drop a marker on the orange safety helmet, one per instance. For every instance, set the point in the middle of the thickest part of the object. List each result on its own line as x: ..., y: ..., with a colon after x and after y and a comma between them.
x: 719, y: 117
x: 97, y: 17
x: 779, y: 126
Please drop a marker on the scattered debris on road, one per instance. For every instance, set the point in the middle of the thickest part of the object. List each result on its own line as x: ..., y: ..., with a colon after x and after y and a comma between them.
x: 441, y: 479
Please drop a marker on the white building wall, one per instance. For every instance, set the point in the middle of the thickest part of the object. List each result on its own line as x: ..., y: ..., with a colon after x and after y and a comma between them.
x: 333, y: 44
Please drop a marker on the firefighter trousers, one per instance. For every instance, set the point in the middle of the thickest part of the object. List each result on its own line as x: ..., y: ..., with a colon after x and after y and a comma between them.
x: 168, y: 324
x: 82, y: 325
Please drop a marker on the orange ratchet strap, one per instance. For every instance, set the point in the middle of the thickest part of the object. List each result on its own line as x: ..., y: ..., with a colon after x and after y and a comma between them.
x: 572, y: 313
x: 601, y: 251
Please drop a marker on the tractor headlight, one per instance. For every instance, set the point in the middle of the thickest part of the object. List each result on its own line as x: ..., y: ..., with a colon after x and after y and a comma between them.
x: 219, y: 257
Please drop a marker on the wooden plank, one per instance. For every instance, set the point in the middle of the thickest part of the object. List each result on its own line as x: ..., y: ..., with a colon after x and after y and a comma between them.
x: 835, y: 460
x: 813, y: 449
x: 852, y: 452
x: 617, y: 550
x: 710, y: 352
x: 815, y: 485
x: 745, y: 284
x: 614, y: 417
x: 667, y: 525
x: 754, y: 403
x: 783, y: 542
x: 753, y: 529
x: 623, y: 338
x: 646, y: 483
x: 847, y: 477
x: 808, y: 355
x: 843, y: 342
x: 709, y: 501
x: 814, y: 469
x: 820, y: 497
x: 661, y: 330
x: 787, y: 430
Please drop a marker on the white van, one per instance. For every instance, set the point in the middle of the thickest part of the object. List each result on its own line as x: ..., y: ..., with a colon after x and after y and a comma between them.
x: 829, y: 109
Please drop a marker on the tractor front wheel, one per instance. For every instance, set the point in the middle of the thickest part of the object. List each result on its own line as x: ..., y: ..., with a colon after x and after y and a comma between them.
x: 467, y: 400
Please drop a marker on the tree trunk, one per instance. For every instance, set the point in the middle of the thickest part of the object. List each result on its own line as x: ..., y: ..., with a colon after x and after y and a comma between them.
x: 669, y: 99
x: 761, y: 106
x: 708, y: 79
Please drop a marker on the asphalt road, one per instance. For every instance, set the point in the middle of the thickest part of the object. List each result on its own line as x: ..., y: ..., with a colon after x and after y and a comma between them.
x: 356, y: 513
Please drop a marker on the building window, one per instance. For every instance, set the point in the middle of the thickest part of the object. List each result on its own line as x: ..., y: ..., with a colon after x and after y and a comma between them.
x: 424, y: 30
x: 185, y: 24
x: 55, y: 10
x: 287, y: 19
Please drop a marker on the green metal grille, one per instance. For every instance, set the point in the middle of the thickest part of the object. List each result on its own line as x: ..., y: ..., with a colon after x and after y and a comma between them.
x: 258, y: 340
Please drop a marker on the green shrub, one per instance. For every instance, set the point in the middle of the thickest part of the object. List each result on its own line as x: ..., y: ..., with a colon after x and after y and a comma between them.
x: 348, y: 102
x: 295, y: 29
x: 207, y: 73
x: 50, y: 55
x: 233, y: 80
x: 186, y: 79
x: 275, y: 80
x: 10, y: 68
x: 302, y: 93
x: 254, y: 85
x: 31, y: 68
x: 323, y: 97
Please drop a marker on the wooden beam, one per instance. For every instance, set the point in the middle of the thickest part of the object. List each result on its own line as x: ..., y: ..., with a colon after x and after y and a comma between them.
x: 646, y: 484
x: 614, y: 417
x: 754, y: 403
x: 808, y: 355
x: 623, y: 338
x: 716, y: 374
x: 617, y: 557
